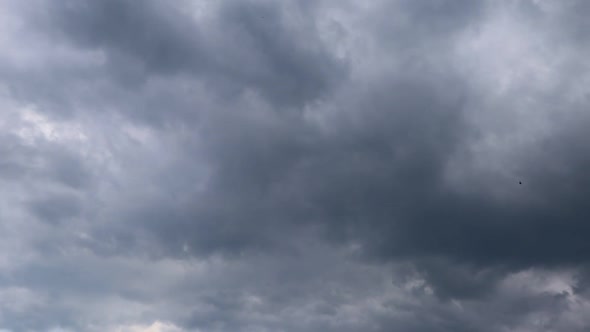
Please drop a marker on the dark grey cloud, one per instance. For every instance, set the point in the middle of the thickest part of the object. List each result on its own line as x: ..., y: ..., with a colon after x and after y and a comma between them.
x: 293, y: 166
x: 156, y: 35
x: 244, y: 46
x: 55, y: 208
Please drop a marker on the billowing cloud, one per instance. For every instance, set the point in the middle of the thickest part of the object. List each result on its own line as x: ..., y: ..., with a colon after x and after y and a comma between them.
x: 294, y: 166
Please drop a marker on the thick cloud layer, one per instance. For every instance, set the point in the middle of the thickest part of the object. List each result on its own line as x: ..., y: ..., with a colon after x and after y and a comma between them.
x: 294, y: 166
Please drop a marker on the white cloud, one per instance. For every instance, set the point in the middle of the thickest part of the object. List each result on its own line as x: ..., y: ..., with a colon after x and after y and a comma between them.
x: 155, y: 327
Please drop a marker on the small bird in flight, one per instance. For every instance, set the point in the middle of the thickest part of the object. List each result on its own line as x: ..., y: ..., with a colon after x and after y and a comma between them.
x: 519, y: 182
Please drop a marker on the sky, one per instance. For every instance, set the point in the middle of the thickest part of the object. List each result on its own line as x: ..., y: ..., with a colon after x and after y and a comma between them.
x: 294, y: 165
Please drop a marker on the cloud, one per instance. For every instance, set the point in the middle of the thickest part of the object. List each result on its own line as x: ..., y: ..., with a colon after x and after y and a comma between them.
x: 155, y: 327
x: 293, y: 166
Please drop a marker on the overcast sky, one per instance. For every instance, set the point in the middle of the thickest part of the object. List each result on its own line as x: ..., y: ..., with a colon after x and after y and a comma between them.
x: 294, y: 165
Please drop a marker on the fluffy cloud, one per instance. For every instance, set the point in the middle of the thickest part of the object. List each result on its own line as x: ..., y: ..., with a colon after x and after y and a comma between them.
x: 294, y: 166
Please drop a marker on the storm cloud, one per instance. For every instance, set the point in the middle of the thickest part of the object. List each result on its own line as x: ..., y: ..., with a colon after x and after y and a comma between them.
x: 257, y: 165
